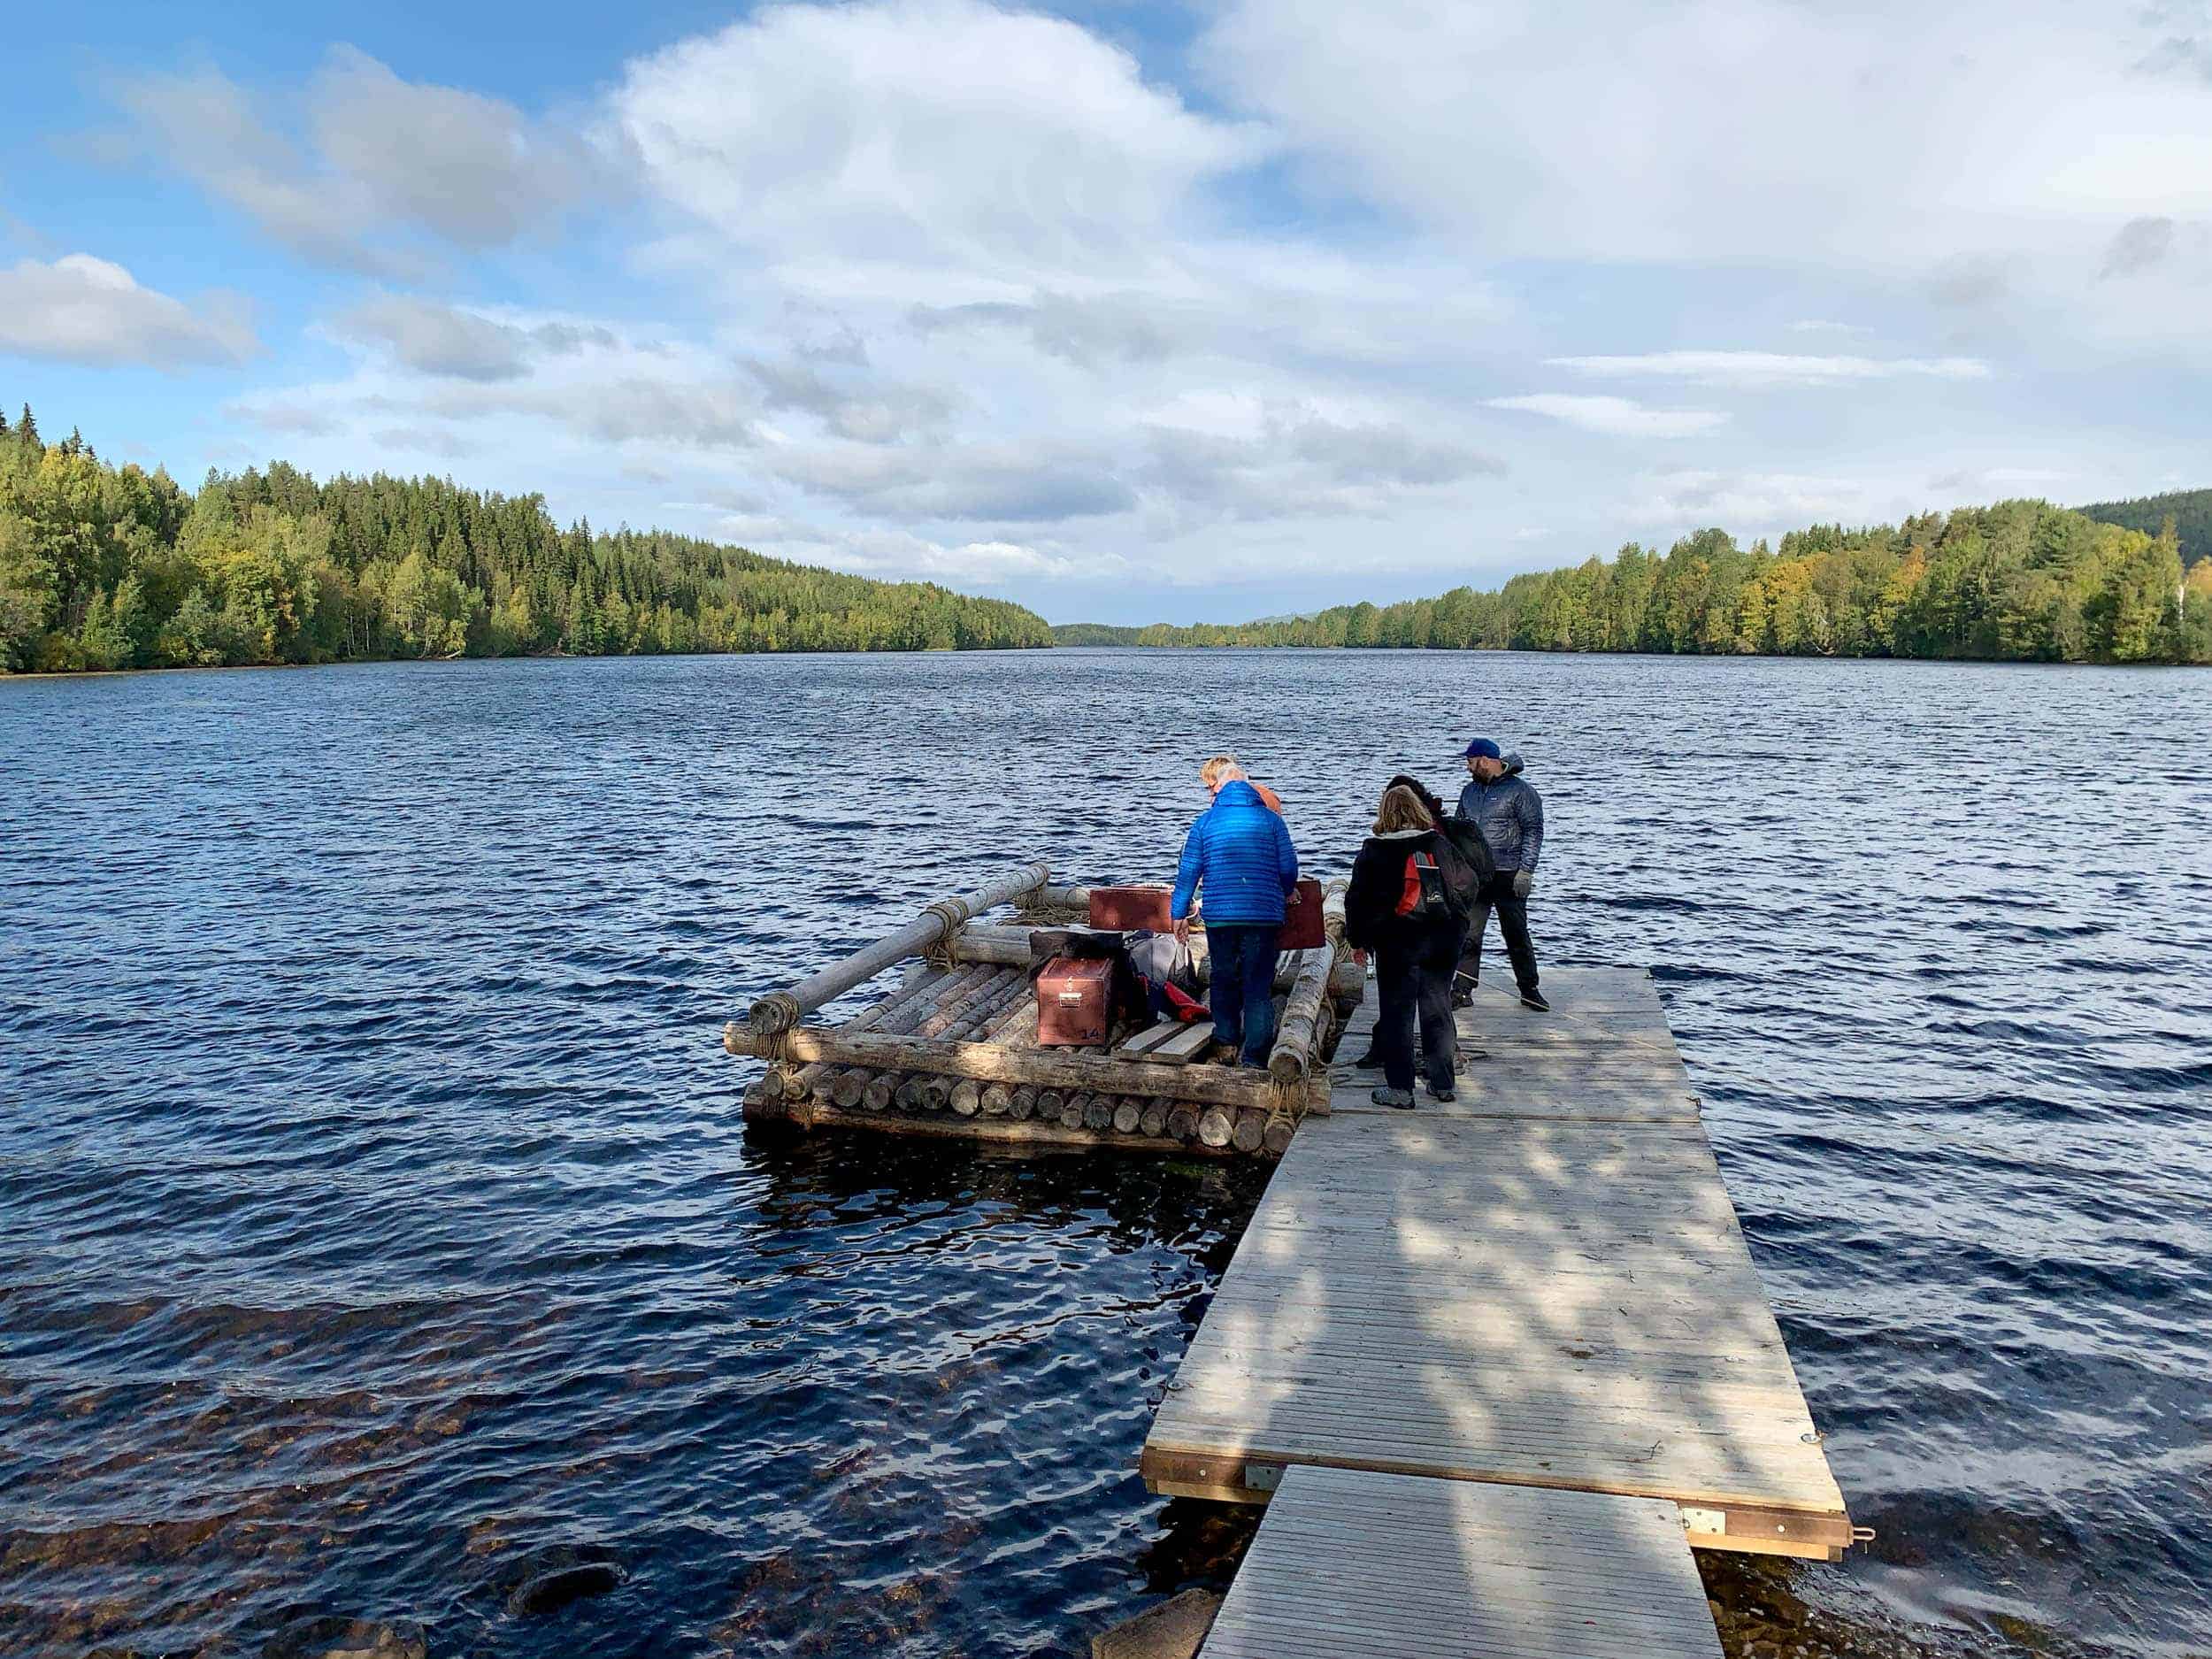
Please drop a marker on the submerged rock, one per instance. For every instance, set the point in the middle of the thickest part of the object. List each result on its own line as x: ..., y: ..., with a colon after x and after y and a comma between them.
x: 551, y: 1591
x: 334, y: 1636
x: 549, y: 1578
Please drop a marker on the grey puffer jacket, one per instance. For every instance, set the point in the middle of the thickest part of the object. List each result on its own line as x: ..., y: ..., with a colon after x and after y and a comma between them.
x: 1510, y: 815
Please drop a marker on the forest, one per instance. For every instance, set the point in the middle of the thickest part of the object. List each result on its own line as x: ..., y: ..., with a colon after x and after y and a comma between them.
x: 106, y: 567
x: 2019, y: 581
x: 2191, y: 510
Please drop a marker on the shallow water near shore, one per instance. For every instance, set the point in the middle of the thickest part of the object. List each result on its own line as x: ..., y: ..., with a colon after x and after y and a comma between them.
x: 374, y: 1208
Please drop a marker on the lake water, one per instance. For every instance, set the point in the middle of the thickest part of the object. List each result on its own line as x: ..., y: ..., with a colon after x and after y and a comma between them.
x: 374, y: 1206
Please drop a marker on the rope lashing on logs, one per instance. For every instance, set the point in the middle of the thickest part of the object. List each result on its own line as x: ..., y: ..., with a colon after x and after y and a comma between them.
x: 777, y: 1011
x: 955, y: 916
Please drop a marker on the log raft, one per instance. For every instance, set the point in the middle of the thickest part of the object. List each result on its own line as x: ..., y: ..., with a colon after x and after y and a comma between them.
x: 951, y: 1049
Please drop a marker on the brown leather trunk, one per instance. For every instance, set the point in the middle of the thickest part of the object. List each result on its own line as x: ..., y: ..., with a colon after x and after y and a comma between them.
x: 1075, y: 1003
x: 1128, y: 908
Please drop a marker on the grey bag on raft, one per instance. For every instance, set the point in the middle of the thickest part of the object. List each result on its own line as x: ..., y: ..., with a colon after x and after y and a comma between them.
x: 1164, y: 959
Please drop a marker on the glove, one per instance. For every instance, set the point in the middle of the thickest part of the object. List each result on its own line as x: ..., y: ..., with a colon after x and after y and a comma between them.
x: 1523, y: 880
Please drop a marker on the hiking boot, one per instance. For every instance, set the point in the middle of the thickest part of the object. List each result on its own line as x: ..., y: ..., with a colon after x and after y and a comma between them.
x: 1533, y: 998
x: 1401, y: 1098
x: 1464, y: 991
x: 1367, y: 1061
x: 1445, y: 1095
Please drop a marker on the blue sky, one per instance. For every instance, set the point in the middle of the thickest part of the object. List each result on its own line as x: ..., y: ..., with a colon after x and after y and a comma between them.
x: 1137, y: 312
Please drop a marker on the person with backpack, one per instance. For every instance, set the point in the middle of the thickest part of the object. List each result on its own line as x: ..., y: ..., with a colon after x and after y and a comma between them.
x: 1510, y: 814
x: 1409, y: 901
x: 1237, y: 861
x: 1466, y: 837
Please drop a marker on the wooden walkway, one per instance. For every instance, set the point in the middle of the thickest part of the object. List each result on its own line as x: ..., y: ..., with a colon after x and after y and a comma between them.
x: 1351, y: 1563
x: 1541, y: 1285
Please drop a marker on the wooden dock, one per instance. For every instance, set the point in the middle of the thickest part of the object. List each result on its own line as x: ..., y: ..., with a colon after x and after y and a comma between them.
x: 1541, y: 1285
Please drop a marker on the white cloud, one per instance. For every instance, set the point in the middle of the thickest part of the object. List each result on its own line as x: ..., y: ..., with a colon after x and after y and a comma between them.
x: 1988, y: 482
x: 444, y: 340
x: 901, y: 555
x: 2137, y: 246
x: 1764, y: 369
x: 81, y: 309
x: 866, y: 409
x: 387, y: 156
x: 1871, y: 136
x: 942, y: 133
x: 1753, y: 503
x: 1007, y: 483
x: 1622, y: 416
x: 1823, y: 325
x: 471, y: 170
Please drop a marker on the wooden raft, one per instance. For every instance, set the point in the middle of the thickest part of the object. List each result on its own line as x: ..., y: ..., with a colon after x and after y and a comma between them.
x: 951, y: 1050
x: 1348, y: 1562
x: 1543, y: 1284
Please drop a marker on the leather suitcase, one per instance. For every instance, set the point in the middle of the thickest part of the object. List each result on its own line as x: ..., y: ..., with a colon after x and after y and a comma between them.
x: 1075, y: 1001
x: 1129, y: 908
x: 1302, y: 923
x: 1126, y: 909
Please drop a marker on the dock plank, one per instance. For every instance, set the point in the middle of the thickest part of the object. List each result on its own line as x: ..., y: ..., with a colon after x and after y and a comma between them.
x: 1391, y: 1566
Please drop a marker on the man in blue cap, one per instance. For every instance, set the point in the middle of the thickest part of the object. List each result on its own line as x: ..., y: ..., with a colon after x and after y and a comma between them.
x: 1510, y: 814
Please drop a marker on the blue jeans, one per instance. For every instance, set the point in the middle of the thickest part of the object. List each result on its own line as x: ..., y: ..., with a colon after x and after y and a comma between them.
x: 1242, y: 995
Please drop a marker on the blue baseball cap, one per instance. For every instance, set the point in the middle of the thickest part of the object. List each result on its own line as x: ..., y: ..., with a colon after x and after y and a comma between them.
x: 1482, y: 749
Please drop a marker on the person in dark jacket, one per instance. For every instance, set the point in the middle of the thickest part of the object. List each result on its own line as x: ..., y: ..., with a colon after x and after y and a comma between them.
x: 1510, y: 814
x: 1238, y: 856
x: 1410, y: 919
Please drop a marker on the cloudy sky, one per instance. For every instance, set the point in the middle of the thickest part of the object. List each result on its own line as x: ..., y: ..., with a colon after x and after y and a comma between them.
x: 1131, y: 311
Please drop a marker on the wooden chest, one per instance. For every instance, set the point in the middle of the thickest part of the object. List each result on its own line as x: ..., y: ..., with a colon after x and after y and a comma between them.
x: 1126, y: 908
x: 1075, y: 1003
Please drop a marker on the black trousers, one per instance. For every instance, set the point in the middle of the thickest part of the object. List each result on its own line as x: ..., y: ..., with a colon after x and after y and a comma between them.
x: 1413, y: 987
x: 1497, y: 894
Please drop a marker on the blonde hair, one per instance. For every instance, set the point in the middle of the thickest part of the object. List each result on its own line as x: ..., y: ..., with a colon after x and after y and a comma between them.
x: 1209, y: 774
x: 1401, y: 810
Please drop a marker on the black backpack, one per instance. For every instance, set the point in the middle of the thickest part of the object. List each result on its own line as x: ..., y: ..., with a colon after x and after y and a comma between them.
x: 1465, y: 836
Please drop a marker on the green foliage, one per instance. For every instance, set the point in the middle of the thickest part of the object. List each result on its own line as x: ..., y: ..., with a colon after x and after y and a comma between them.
x: 2021, y: 580
x: 2190, y: 511
x: 112, y: 568
x: 1093, y: 633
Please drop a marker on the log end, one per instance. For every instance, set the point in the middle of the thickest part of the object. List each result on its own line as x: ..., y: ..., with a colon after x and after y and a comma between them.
x: 777, y: 1011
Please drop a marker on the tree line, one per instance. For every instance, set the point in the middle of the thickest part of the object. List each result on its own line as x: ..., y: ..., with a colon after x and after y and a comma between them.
x: 2021, y: 580
x: 104, y: 567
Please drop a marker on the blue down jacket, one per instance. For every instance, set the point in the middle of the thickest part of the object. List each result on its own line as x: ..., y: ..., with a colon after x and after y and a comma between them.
x: 1510, y: 815
x: 1239, y: 852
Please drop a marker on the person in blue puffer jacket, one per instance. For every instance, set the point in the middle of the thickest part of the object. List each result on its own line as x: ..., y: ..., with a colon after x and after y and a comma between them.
x: 1240, y: 854
x: 1510, y: 814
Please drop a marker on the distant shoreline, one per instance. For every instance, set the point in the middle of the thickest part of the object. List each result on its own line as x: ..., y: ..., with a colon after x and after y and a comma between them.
x: 44, y: 676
